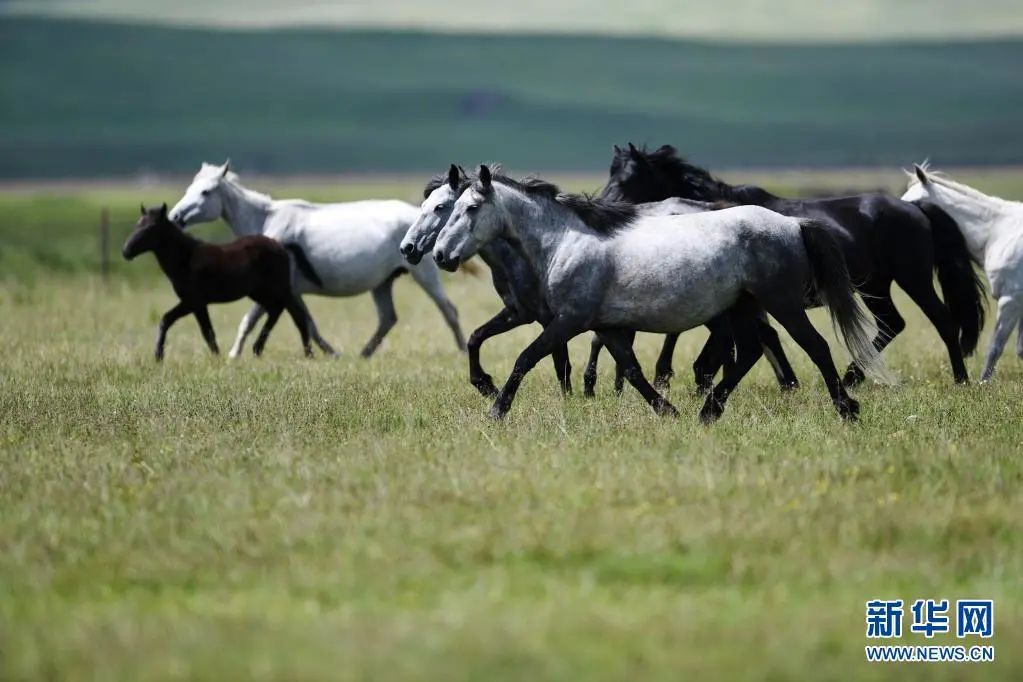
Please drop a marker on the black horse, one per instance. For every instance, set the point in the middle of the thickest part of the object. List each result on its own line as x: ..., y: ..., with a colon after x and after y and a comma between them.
x: 884, y: 240
x: 255, y: 266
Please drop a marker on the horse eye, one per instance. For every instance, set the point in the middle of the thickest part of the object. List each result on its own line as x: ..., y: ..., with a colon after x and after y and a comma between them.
x: 205, y: 192
x: 440, y: 208
x: 471, y: 208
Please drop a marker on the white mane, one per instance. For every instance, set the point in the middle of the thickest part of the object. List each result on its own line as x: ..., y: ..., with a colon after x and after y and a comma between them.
x: 940, y: 178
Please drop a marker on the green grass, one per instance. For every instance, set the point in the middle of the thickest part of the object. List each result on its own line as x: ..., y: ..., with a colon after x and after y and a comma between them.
x: 294, y: 519
x: 120, y: 99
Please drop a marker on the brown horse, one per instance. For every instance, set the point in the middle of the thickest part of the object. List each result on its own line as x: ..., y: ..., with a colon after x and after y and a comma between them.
x: 202, y: 273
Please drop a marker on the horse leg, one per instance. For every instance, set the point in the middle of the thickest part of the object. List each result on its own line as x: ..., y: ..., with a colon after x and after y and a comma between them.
x: 169, y: 318
x: 619, y: 370
x: 590, y: 375
x: 921, y: 290
x: 202, y: 315
x: 771, y: 344
x: 718, y: 352
x: 248, y: 323
x: 1019, y: 340
x: 619, y: 343
x: 300, y: 316
x: 428, y: 277
x: 558, y: 333
x: 563, y: 369
x: 1010, y: 309
x: 889, y: 325
x: 272, y: 315
x: 504, y: 321
x: 795, y: 321
x: 663, y: 371
x: 748, y: 350
x: 314, y: 331
x: 386, y: 316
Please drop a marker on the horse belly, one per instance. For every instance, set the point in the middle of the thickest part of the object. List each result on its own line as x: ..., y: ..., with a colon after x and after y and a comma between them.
x: 666, y: 311
x: 351, y: 264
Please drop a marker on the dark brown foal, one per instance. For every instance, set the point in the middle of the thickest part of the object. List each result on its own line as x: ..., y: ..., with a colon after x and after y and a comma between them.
x: 257, y: 267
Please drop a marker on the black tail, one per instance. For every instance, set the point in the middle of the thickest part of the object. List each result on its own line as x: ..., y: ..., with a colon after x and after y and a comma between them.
x: 961, y: 285
x: 304, y: 266
x: 833, y: 285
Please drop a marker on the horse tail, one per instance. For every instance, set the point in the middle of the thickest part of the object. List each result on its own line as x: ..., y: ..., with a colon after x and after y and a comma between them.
x: 832, y: 284
x: 961, y: 286
x: 303, y: 264
x: 469, y: 267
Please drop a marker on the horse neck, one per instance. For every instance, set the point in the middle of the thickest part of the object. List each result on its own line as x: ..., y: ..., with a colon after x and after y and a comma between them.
x: 245, y: 210
x: 719, y: 190
x: 536, y: 228
x: 974, y: 213
x: 174, y: 252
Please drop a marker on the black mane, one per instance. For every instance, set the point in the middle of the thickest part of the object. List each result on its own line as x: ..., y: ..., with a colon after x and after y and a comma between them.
x: 601, y: 215
x: 697, y: 182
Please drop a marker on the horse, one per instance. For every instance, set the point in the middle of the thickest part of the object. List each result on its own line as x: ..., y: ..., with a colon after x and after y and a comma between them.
x: 512, y: 277
x: 255, y: 266
x: 604, y: 267
x: 883, y: 239
x: 993, y: 231
x: 716, y: 352
x: 353, y: 246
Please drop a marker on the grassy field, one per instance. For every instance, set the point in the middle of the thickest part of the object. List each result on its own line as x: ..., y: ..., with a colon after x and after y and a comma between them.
x: 120, y: 99
x: 295, y: 519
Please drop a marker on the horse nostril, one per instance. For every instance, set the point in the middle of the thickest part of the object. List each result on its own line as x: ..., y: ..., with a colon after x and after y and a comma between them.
x: 438, y: 256
x: 406, y: 248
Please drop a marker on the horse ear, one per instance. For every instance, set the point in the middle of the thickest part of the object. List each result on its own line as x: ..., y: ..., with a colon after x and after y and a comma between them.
x: 227, y: 168
x: 142, y: 209
x: 485, y: 178
x: 667, y: 149
x: 616, y: 150
x: 633, y: 151
x: 163, y: 210
x: 453, y: 176
x: 921, y: 174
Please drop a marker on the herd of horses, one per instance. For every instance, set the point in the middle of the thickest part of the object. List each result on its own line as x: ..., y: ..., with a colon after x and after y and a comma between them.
x: 664, y: 247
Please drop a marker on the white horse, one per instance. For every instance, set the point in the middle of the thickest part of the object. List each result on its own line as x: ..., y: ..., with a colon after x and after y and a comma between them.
x: 993, y: 229
x: 352, y: 247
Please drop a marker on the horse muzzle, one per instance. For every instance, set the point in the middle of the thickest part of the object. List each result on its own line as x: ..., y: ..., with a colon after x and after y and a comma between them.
x: 410, y: 253
x: 447, y: 262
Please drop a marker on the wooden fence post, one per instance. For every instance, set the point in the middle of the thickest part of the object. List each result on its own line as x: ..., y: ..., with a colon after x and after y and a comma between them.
x: 104, y: 243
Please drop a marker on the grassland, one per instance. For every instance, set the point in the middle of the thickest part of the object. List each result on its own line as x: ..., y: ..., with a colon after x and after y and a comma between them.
x: 293, y: 519
x: 119, y: 99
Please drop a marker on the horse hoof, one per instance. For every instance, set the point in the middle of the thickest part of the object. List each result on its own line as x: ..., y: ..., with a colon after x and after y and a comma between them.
x: 497, y: 413
x: 666, y: 410
x: 485, y: 385
x: 709, y: 416
x: 849, y: 409
x: 789, y: 387
x: 662, y: 383
x: 711, y: 411
x: 853, y: 378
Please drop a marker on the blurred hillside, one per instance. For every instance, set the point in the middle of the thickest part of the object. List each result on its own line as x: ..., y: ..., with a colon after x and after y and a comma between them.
x: 83, y: 99
x: 729, y: 20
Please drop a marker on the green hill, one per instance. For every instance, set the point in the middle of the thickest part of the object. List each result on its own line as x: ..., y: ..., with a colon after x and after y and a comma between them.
x: 83, y: 99
x: 785, y: 21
